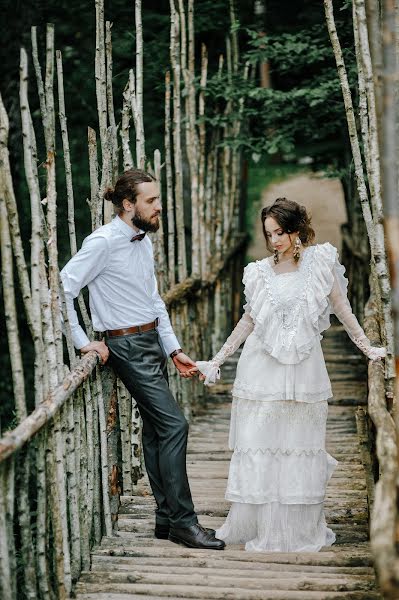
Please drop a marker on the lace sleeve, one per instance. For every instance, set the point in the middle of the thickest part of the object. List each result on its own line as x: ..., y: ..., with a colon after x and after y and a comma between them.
x: 211, y: 369
x: 341, y: 307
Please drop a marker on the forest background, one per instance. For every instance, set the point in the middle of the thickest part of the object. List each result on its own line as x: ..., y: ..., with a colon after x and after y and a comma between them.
x: 299, y: 114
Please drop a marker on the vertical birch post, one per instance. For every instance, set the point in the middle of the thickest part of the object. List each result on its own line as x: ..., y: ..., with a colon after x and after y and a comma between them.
x: 188, y: 71
x: 202, y: 200
x: 51, y: 198
x: 67, y: 154
x: 110, y: 102
x: 140, y: 143
x: 19, y: 394
x: 5, y: 563
x: 373, y: 10
x: 124, y: 132
x: 159, y: 236
x: 41, y: 370
x: 30, y: 153
x: 179, y: 204
x: 354, y: 140
x: 374, y: 178
x: 100, y: 72
x: 390, y: 164
x: 169, y: 186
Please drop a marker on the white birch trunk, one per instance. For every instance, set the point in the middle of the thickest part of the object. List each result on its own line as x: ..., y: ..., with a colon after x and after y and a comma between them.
x: 160, y: 261
x: 178, y: 163
x: 104, y: 456
x: 67, y: 155
x: 51, y: 190
x: 100, y: 72
x: 29, y: 144
x: 6, y: 584
x: 73, y: 490
x: 39, y: 83
x: 41, y: 519
x: 124, y: 403
x: 124, y: 132
x: 203, y: 230
x: 169, y: 187
x: 10, y: 312
x: 363, y: 114
x: 355, y: 146
x: 13, y: 218
x: 140, y: 141
x: 95, y: 202
x: 110, y: 101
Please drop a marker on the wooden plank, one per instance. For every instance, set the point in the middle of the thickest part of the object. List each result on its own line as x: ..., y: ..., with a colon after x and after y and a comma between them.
x: 268, y: 581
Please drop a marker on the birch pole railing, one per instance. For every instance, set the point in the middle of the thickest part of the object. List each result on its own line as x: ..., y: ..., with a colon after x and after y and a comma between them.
x: 64, y: 466
x: 378, y: 121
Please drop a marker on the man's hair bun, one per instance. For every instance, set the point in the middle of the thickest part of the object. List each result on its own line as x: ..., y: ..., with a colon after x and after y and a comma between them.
x: 109, y: 195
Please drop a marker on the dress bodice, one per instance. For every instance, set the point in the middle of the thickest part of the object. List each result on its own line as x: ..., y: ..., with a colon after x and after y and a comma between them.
x: 291, y: 309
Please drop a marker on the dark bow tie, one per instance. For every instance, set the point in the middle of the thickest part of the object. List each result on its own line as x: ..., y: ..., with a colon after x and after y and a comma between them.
x: 138, y: 237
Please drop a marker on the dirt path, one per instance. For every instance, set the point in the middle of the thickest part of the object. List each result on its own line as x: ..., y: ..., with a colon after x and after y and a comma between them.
x: 322, y: 197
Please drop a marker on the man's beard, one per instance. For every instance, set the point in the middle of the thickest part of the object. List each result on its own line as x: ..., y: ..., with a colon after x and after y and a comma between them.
x: 144, y: 224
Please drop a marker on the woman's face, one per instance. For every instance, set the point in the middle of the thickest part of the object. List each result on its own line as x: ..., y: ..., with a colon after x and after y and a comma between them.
x: 279, y: 240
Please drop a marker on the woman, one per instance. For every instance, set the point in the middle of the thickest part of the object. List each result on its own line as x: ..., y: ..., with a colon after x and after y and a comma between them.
x: 280, y: 468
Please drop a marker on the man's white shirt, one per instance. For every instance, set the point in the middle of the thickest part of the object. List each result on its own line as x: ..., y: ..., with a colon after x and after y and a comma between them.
x: 122, y: 285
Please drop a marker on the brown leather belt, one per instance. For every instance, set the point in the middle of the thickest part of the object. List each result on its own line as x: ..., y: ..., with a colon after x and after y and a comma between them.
x: 134, y: 329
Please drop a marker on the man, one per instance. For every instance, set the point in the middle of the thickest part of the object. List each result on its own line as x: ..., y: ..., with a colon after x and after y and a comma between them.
x: 116, y: 263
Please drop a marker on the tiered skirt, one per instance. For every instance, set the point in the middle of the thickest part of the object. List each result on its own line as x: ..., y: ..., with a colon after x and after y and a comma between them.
x: 278, y: 474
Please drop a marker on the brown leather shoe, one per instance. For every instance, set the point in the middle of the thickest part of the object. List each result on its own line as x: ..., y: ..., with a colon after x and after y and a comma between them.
x: 195, y: 536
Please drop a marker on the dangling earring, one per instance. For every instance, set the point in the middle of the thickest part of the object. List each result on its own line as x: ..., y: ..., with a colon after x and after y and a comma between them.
x: 297, y: 249
x: 275, y: 256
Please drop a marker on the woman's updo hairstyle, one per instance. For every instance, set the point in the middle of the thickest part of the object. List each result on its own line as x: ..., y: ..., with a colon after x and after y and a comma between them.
x: 291, y: 217
x: 126, y: 187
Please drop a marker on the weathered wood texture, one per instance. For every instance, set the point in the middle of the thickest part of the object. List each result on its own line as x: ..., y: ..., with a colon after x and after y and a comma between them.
x: 134, y: 565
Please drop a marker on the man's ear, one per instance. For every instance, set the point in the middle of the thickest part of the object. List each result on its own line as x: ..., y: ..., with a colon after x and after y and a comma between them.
x: 127, y: 205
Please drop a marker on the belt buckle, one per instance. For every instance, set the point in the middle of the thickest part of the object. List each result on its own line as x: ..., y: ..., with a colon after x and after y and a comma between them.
x: 139, y: 330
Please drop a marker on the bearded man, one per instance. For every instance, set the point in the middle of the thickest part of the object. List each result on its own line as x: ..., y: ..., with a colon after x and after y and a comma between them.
x: 116, y: 263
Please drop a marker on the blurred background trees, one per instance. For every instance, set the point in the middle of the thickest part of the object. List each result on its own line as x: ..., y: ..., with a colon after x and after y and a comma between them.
x: 292, y: 107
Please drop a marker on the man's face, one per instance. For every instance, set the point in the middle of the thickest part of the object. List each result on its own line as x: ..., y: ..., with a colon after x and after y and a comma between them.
x: 147, y: 208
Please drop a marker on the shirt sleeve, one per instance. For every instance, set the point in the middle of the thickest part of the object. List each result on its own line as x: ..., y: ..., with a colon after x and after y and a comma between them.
x: 165, y: 329
x: 83, y: 267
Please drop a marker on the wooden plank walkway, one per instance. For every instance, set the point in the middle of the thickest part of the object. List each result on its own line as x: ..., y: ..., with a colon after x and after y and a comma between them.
x: 134, y: 565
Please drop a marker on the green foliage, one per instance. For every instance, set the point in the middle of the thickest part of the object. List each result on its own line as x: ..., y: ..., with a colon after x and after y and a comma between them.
x: 302, y: 112
x: 290, y: 51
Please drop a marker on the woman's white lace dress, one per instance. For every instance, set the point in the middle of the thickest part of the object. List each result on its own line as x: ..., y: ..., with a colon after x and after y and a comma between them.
x: 279, y: 468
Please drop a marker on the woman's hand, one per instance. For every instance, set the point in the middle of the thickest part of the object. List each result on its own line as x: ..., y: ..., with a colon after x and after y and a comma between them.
x: 209, y: 371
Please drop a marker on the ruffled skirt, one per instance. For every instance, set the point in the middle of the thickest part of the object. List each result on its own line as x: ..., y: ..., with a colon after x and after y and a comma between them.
x: 278, y: 476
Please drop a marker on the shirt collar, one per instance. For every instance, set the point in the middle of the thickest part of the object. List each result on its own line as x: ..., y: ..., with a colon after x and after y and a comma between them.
x: 124, y: 228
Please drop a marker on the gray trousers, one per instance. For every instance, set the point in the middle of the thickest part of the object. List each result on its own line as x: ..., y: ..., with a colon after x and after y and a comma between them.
x: 140, y: 362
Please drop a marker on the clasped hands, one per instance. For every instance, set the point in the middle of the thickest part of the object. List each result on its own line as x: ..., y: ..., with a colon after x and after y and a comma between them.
x: 186, y: 367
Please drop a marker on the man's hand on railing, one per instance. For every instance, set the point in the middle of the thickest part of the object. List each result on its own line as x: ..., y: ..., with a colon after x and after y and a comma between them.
x: 100, y: 347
